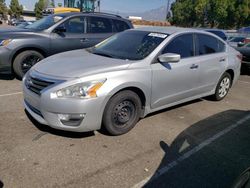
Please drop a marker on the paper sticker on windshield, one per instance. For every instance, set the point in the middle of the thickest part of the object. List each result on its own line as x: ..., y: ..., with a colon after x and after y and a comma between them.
x: 163, y: 36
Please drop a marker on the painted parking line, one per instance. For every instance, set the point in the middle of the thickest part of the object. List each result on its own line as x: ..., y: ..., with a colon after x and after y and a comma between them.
x: 190, y: 153
x: 244, y: 82
x: 11, y: 94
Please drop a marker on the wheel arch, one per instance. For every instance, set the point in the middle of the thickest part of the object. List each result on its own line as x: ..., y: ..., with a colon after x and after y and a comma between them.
x: 139, y: 90
x: 231, y: 73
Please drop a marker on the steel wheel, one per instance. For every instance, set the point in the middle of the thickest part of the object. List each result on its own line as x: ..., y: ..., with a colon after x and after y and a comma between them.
x: 122, y: 112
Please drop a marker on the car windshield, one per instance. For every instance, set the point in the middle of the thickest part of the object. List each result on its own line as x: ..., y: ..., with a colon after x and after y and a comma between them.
x: 45, y: 22
x: 129, y: 45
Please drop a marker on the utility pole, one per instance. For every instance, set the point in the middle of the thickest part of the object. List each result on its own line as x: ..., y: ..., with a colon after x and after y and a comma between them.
x: 168, y: 7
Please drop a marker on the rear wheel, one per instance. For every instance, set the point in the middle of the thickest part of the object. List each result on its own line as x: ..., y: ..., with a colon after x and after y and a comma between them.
x: 223, y: 87
x: 122, y: 112
x: 24, y: 61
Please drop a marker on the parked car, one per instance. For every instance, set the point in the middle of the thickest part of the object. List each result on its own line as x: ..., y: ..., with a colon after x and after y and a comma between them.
x: 22, y: 48
x: 128, y: 76
x: 218, y: 32
x: 24, y: 24
x: 17, y: 22
x: 236, y: 40
x: 245, y: 41
x: 245, y: 51
x: 244, y: 30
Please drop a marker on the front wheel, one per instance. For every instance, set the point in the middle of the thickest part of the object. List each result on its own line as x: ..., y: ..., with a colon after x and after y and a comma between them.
x: 24, y: 61
x: 223, y: 87
x: 122, y: 112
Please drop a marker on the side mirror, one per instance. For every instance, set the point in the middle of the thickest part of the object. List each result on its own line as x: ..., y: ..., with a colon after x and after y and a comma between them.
x: 169, y: 58
x: 60, y: 29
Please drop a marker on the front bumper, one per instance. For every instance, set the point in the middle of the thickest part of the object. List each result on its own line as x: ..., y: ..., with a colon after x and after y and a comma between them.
x: 46, y: 110
x: 5, y: 62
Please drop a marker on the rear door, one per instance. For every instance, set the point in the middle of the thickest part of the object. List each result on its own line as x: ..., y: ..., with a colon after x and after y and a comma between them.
x: 98, y: 29
x: 213, y: 60
x: 73, y: 38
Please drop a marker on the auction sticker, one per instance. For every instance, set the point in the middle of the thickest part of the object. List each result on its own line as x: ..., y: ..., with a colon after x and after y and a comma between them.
x: 160, y: 35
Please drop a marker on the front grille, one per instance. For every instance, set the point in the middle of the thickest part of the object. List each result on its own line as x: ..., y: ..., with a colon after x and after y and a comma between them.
x: 36, y: 85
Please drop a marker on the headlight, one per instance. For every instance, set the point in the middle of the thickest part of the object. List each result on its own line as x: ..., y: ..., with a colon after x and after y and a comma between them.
x: 4, y: 42
x: 81, y: 90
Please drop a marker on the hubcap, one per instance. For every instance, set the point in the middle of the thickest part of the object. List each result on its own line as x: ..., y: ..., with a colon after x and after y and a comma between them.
x: 123, y: 113
x: 224, y: 87
x: 28, y: 62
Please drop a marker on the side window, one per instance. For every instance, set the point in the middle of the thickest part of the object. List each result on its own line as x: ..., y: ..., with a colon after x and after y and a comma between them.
x: 75, y: 25
x: 221, y: 46
x: 99, y: 25
x: 120, y: 25
x: 182, y: 45
x: 208, y: 45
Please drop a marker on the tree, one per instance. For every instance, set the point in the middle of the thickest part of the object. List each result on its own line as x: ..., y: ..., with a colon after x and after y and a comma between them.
x: 183, y: 13
x: 212, y: 13
x: 15, y: 9
x: 39, y: 7
x: 3, y: 8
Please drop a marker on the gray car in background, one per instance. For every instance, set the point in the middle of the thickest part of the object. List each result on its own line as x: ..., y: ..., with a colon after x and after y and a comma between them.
x: 128, y: 76
x: 21, y: 48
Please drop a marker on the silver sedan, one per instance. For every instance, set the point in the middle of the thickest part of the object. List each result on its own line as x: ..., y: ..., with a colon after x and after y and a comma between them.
x: 128, y: 76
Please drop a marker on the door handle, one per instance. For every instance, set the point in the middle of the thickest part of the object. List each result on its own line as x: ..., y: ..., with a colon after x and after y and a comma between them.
x: 222, y: 59
x: 84, y: 40
x: 194, y: 66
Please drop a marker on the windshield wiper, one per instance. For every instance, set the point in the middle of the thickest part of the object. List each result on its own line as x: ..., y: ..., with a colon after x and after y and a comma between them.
x: 103, y: 54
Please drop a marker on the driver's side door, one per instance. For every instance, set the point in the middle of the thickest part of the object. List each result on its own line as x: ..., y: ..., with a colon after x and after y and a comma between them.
x: 72, y: 38
x: 173, y: 82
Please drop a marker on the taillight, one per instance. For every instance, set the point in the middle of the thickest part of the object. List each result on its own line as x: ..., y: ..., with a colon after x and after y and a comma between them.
x: 240, y: 56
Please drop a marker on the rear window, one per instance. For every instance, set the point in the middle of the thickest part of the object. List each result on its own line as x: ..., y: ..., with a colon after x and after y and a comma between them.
x: 120, y: 25
x: 99, y: 25
x: 208, y: 45
x: 220, y: 34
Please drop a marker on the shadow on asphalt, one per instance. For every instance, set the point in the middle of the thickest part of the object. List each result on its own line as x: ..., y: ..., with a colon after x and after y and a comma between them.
x: 47, y: 129
x: 6, y: 77
x: 217, y: 164
x: 245, y: 70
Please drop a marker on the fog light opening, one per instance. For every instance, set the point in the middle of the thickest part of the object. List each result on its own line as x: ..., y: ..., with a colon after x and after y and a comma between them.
x: 72, y: 120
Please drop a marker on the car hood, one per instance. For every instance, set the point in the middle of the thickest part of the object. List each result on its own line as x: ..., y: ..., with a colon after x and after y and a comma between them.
x: 78, y: 63
x: 14, y: 29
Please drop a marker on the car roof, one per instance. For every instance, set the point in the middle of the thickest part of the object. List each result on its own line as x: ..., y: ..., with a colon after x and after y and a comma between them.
x: 166, y: 30
x: 100, y: 14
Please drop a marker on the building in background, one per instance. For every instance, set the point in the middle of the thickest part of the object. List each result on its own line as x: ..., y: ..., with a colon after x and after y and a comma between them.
x: 84, y: 5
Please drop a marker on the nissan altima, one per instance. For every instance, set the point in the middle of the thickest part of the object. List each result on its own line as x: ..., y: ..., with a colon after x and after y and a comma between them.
x: 127, y: 76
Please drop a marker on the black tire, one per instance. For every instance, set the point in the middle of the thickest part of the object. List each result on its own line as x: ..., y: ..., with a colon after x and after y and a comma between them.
x: 223, y: 87
x: 122, y: 112
x: 24, y: 61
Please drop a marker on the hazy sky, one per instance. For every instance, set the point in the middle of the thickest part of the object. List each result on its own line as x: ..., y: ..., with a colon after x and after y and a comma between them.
x: 111, y: 5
